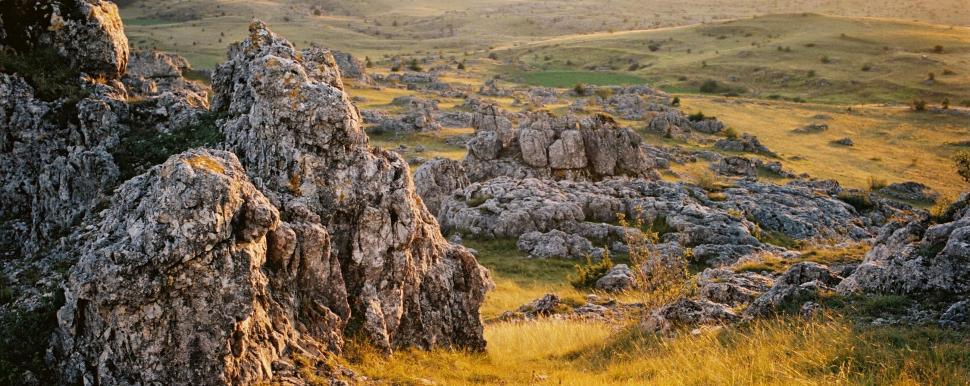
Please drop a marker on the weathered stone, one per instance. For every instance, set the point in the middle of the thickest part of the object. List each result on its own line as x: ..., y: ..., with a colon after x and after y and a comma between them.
x: 620, y: 278
x: 557, y: 244
x: 800, y: 283
x: 437, y: 179
x: 302, y: 144
x: 746, y: 143
x: 920, y: 256
x: 688, y: 312
x: 910, y: 191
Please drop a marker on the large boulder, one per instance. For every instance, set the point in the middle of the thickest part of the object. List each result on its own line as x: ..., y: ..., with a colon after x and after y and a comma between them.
x: 351, y: 67
x: 922, y: 256
x: 301, y: 142
x: 179, y: 285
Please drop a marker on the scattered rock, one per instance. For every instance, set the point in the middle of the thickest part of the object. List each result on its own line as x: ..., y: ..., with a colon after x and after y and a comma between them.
x: 351, y: 67
x: 557, y: 244
x: 843, y: 142
x: 735, y: 166
x: 688, y: 312
x: 620, y: 278
x: 957, y: 315
x: 811, y: 128
x: 746, y: 143
x: 910, y: 191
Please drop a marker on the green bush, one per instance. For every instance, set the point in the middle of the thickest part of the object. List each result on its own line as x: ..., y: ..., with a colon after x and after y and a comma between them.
x: 962, y: 161
x: 51, y: 76
x: 587, y: 274
x: 144, y: 147
x: 24, y: 337
x: 859, y: 200
x: 710, y: 86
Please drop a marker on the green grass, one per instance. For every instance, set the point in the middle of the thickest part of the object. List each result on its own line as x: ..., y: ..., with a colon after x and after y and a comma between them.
x: 51, y: 76
x: 565, y: 79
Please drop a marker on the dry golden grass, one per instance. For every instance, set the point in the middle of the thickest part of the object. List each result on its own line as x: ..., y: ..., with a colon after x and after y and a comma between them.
x: 826, y: 351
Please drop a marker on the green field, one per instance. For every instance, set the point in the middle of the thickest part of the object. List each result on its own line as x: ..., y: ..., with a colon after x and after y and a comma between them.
x: 566, y: 79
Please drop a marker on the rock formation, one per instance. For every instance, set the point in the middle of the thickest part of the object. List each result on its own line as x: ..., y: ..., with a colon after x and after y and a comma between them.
x: 544, y: 146
x: 351, y: 67
x: 435, y: 180
x: 925, y: 256
x: 179, y: 284
x: 300, y: 139
x: 88, y: 33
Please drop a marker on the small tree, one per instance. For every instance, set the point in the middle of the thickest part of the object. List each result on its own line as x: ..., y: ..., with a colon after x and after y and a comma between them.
x: 938, y: 49
x: 367, y: 62
x: 580, y: 89
x: 414, y: 66
x: 461, y: 65
x: 962, y: 160
x: 945, y: 104
x: 931, y: 77
x: 675, y: 102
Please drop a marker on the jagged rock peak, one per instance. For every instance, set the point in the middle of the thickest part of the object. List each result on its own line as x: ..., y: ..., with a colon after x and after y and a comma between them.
x: 300, y: 139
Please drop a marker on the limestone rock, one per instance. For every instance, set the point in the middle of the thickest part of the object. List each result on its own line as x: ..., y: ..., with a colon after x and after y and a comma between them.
x: 351, y: 67
x: 437, y: 179
x: 735, y: 166
x: 746, y: 143
x: 688, y: 312
x: 88, y: 33
x: 910, y: 191
x: 722, y: 285
x: 301, y: 142
x: 619, y: 278
x: 919, y: 256
x: 801, y: 282
x: 544, y: 146
x: 557, y: 244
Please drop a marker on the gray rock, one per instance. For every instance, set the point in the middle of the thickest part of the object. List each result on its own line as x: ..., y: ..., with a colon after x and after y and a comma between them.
x: 437, y: 179
x: 910, y: 191
x: 801, y: 282
x: 688, y: 312
x: 844, y: 142
x: 557, y: 244
x: 919, y: 256
x: 351, y: 67
x: 956, y: 315
x: 544, y: 146
x: 746, y: 143
x: 811, y: 128
x: 301, y: 142
x: 620, y: 278
x: 735, y: 166
x: 722, y: 285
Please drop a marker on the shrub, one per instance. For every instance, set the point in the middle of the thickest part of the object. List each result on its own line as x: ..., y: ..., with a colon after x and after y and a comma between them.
x: 859, y: 200
x: 945, y: 104
x: 367, y: 62
x: 938, y: 49
x: 414, y: 66
x: 461, y: 66
x: 866, y: 67
x: 675, y: 101
x: 581, y: 89
x: 876, y: 183
x: 826, y: 59
x: 810, y: 74
x: 633, y: 67
x: 931, y: 77
x: 919, y: 105
x: 708, y: 181
x: 604, y: 92
x: 730, y: 133
x: 396, y: 67
x: 962, y: 161
x: 710, y: 86
x: 663, y: 278
x: 493, y: 56
x: 587, y: 274
x: 24, y: 338
x: 144, y: 147
x: 51, y: 76
x: 653, y: 47
x: 698, y: 116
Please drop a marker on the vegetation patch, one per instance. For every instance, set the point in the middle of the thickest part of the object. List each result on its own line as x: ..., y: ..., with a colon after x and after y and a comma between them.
x: 144, y: 147
x: 24, y: 337
x: 51, y: 76
x: 567, y: 79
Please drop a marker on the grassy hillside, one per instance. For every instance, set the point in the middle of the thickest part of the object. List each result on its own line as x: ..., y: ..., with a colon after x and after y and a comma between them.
x: 200, y: 29
x: 795, y: 57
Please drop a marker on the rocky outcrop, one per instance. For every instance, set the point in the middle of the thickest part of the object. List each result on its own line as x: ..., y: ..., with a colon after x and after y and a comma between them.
x: 910, y: 191
x: 164, y: 99
x: 544, y: 146
x: 87, y: 33
x: 180, y: 284
x: 302, y: 144
x: 923, y: 256
x: 719, y: 232
x: 557, y: 244
x: 735, y: 166
x: 673, y: 124
x: 723, y: 285
x: 618, y: 279
x: 437, y: 179
x: 55, y: 160
x: 746, y: 143
x: 351, y: 67
x: 418, y: 116
x: 802, y: 282
x: 688, y: 312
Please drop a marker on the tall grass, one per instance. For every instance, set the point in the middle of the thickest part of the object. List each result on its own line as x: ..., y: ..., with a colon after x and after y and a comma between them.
x: 825, y: 351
